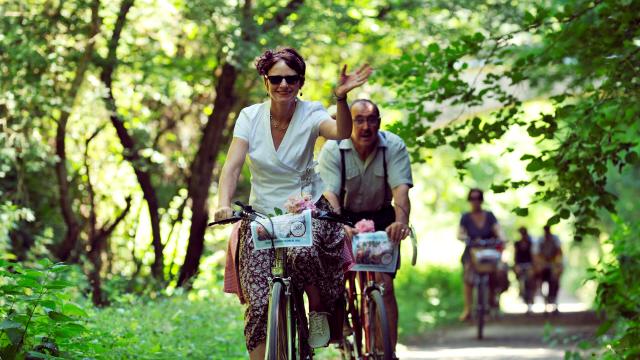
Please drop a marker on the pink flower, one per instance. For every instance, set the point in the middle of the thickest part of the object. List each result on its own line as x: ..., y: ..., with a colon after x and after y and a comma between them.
x: 364, y: 226
x: 297, y: 204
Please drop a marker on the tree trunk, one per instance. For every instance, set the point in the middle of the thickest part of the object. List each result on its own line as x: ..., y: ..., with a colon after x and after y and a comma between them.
x: 202, y: 169
x: 211, y: 143
x: 70, y: 239
x: 131, y: 153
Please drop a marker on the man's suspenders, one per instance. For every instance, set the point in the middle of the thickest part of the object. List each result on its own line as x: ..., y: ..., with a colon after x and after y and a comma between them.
x: 343, y: 175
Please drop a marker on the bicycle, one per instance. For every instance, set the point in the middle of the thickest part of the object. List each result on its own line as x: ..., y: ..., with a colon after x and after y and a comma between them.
x: 485, y: 258
x: 286, y: 314
x: 364, y: 297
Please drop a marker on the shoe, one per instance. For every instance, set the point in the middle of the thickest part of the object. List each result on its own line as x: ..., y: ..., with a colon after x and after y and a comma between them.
x: 465, y: 316
x: 346, y: 329
x: 319, y: 332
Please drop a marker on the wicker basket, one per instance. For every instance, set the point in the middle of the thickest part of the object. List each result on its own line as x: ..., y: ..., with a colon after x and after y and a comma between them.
x: 485, y: 260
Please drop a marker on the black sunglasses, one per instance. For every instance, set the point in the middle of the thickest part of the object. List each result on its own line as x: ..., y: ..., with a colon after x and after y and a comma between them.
x: 277, y: 79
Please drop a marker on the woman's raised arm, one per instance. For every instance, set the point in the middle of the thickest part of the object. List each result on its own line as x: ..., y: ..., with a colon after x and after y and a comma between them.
x: 341, y: 127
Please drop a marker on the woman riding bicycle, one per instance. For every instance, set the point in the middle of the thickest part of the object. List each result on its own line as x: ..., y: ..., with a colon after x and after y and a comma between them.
x: 279, y: 136
x: 476, y: 224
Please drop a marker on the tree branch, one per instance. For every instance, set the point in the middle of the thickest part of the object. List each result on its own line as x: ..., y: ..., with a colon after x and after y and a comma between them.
x: 282, y: 15
x: 73, y: 228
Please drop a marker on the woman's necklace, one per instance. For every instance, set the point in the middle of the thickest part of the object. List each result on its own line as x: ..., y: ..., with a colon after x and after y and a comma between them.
x: 276, y: 123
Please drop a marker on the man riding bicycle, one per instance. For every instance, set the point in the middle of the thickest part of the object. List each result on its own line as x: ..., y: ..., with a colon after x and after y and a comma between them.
x: 548, y: 259
x: 363, y: 175
x: 523, y: 267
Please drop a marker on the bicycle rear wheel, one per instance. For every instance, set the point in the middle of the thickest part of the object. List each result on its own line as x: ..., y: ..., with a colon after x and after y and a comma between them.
x: 277, y: 338
x: 378, y: 328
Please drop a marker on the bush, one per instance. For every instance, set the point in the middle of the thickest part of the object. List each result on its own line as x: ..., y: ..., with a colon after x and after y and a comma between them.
x: 177, y: 327
x: 427, y: 297
x: 37, y: 317
x: 618, y: 293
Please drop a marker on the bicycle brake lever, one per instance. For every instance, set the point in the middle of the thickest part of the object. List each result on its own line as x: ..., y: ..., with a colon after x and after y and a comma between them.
x: 246, y: 208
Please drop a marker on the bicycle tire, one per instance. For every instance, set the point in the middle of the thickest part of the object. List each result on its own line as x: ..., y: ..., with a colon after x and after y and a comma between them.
x: 277, y: 324
x: 378, y: 323
x: 481, y: 305
x: 354, y: 309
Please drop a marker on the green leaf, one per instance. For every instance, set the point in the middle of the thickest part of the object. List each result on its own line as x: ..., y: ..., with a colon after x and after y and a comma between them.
x: 553, y: 220
x: 59, y: 317
x: 499, y: 188
x: 631, y: 158
x: 604, y: 327
x: 73, y: 309
x: 59, y: 267
x: 59, y: 284
x: 535, y: 165
x: 70, y: 330
x: 37, y: 355
x: 8, y: 324
x: 521, y: 211
x: 278, y: 211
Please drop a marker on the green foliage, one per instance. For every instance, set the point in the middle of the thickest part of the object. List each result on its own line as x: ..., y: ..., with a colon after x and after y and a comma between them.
x: 618, y: 292
x: 38, y: 319
x: 550, y: 51
x: 438, y: 290
x: 177, y: 327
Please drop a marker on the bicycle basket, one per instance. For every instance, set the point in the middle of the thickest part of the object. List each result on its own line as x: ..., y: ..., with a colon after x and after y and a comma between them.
x: 485, y: 260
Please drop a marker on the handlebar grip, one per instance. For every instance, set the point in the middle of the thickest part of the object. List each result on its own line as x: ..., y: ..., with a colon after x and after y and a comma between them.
x: 244, y: 207
x: 230, y: 220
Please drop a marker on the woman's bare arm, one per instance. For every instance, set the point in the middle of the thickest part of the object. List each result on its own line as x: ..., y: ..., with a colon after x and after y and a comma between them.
x: 229, y: 177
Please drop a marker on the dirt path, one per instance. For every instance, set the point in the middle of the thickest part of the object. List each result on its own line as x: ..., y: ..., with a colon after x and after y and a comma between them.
x: 512, y: 336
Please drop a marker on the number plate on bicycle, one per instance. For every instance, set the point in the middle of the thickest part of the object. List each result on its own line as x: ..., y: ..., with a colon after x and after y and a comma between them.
x: 289, y: 230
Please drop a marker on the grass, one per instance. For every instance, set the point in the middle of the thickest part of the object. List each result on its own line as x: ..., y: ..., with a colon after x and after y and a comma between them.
x: 178, y: 327
x: 211, y: 326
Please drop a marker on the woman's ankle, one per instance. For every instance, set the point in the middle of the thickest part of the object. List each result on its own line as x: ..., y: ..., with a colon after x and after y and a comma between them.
x: 313, y: 295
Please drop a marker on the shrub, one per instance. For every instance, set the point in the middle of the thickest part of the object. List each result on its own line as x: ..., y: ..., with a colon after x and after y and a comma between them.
x: 37, y: 317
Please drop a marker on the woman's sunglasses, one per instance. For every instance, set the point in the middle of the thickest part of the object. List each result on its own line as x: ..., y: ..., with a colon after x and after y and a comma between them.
x: 277, y: 79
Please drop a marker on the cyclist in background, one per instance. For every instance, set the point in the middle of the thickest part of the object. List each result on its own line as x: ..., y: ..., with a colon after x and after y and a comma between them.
x: 523, y: 267
x: 477, y: 224
x: 362, y: 176
x: 548, y: 257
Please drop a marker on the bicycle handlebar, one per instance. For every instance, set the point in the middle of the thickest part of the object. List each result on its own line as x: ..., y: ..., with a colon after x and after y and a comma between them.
x: 484, y: 242
x: 247, y: 212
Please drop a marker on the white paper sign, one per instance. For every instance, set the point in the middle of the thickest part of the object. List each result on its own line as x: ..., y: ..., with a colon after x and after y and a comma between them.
x: 291, y: 230
x: 374, y: 252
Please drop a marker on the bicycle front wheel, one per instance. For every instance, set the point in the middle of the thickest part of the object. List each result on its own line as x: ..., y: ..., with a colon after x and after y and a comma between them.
x: 378, y: 339
x: 277, y: 338
x: 483, y: 303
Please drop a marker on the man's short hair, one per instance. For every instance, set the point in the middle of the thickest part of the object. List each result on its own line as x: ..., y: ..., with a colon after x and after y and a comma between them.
x: 367, y: 101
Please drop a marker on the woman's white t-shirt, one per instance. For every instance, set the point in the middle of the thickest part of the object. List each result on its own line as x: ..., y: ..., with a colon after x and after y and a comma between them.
x: 277, y: 175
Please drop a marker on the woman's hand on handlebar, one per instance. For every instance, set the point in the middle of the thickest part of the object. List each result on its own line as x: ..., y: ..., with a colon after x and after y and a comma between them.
x: 223, y: 213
